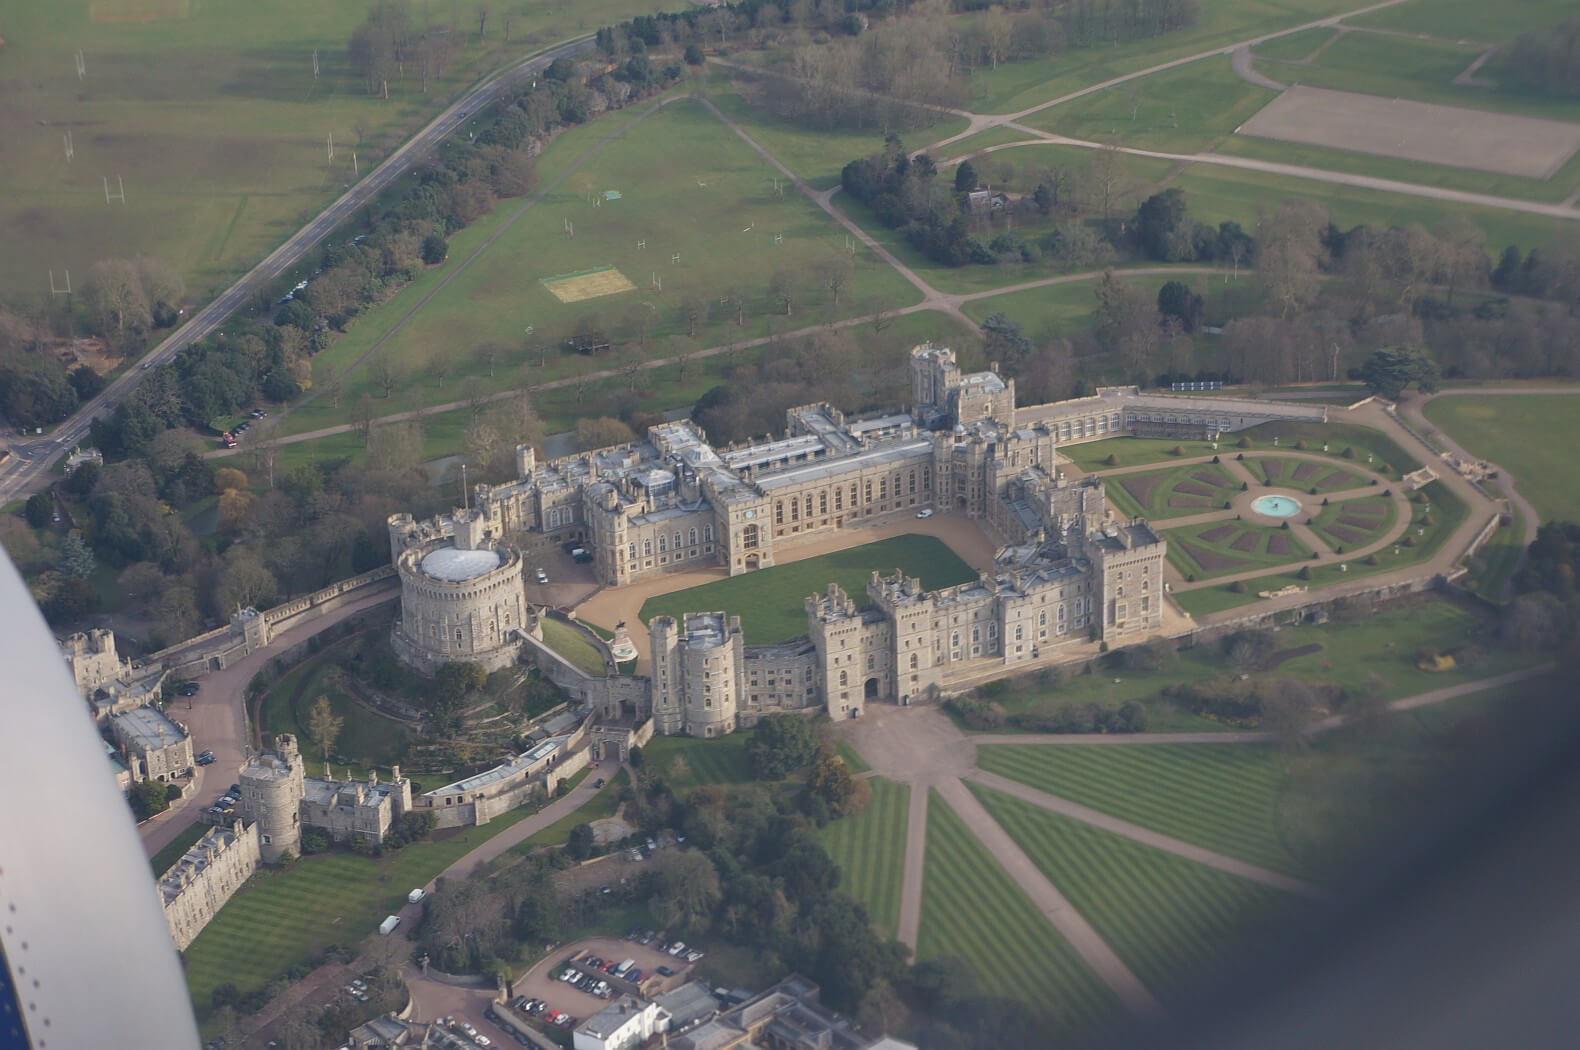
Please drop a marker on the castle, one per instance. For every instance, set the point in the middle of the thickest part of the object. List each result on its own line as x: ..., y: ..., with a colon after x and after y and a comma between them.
x: 1067, y: 571
x: 279, y: 799
x: 197, y: 886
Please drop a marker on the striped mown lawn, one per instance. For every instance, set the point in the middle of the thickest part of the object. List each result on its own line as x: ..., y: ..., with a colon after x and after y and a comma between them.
x: 283, y: 916
x: 973, y: 911
x: 1221, y: 796
x: 1177, y: 924
x: 870, y: 851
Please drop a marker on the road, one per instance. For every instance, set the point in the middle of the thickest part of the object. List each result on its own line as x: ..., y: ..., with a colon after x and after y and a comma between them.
x: 32, y: 459
x: 217, y: 720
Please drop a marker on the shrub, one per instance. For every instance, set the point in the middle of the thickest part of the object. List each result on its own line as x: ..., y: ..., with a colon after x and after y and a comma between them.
x: 1337, y: 550
x: 1190, y: 577
x: 1348, y: 453
x: 1244, y: 442
x: 1215, y: 459
x: 1371, y: 559
x: 1177, y: 450
x: 1315, y: 555
x: 1245, y: 486
x: 974, y: 712
x: 1312, y: 490
x: 1374, y: 481
x: 1305, y: 572
x: 1237, y: 587
x: 1426, y: 519
x: 1301, y: 444
x: 1408, y: 541
x: 1112, y: 460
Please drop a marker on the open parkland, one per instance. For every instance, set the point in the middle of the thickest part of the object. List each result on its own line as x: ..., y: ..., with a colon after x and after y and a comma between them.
x: 1116, y: 878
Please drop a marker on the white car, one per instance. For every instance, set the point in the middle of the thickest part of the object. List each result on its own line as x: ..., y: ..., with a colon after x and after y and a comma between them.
x: 925, y: 512
x: 543, y: 577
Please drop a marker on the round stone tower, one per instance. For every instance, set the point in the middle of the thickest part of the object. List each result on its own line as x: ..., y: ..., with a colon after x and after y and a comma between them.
x: 459, y: 605
x: 272, y: 786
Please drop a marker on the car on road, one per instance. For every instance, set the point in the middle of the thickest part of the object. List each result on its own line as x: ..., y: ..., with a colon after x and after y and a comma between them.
x: 925, y: 512
x: 188, y: 689
x: 205, y: 758
x: 542, y: 576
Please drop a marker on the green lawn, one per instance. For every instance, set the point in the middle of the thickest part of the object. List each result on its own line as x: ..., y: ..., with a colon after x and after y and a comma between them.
x: 1182, y: 110
x: 1192, y: 488
x: 1469, y: 19
x: 1221, y: 796
x: 1295, y: 46
x: 685, y: 762
x: 1394, y: 67
x: 1289, y: 472
x: 972, y: 143
x: 1016, y: 85
x: 1177, y: 924
x: 283, y: 916
x: 870, y: 851
x: 1217, y: 194
x: 770, y: 601
x: 690, y: 188
x: 212, y: 117
x: 572, y: 645
x: 1550, y: 190
x: 1092, y: 456
x: 973, y: 911
x: 1525, y: 435
x: 1219, y: 548
x: 600, y: 807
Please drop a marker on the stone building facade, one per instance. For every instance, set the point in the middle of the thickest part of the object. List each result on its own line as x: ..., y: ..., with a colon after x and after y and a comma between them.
x: 462, y: 596
x: 108, y: 683
x: 207, y: 875
x: 280, y: 799
x: 1067, y: 571
x: 153, y: 746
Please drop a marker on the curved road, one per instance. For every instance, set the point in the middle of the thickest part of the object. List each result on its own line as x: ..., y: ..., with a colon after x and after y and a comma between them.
x: 32, y: 459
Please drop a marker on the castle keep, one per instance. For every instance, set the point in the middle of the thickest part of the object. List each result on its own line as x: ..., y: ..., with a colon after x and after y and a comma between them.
x: 1066, y: 571
x: 280, y: 799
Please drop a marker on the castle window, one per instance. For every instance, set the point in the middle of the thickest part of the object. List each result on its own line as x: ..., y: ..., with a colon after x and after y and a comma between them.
x: 779, y: 512
x: 795, y: 510
x: 707, y: 533
x: 1042, y: 618
x: 1145, y: 604
x: 913, y: 661
x: 749, y: 537
x: 954, y: 640
x: 867, y: 491
x: 1061, y: 612
x: 976, y: 635
x: 631, y: 552
x: 870, y: 659
x: 844, y: 678
x: 839, y: 499
x: 1019, y: 633
x: 883, y: 488
x: 458, y: 636
x: 809, y: 505
x: 853, y: 496
x: 663, y: 543
x: 822, y: 502
x: 647, y: 548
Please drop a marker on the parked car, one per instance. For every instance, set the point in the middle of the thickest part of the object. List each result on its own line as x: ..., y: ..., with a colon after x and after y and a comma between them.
x: 664, y: 971
x: 188, y: 689
x: 925, y: 512
x: 693, y: 956
x: 542, y: 576
x: 676, y: 948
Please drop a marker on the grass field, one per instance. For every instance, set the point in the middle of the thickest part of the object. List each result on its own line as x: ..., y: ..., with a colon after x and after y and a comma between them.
x: 1218, y: 194
x: 1549, y: 190
x: 973, y: 911
x: 690, y: 188
x: 1221, y: 796
x: 1518, y: 433
x: 1183, y: 110
x: 600, y: 807
x: 1178, y: 925
x: 211, y: 115
x: 1395, y: 67
x: 573, y: 645
x: 1195, y: 488
x: 1221, y: 547
x: 972, y: 143
x: 1294, y: 46
x: 685, y: 763
x: 282, y: 916
x: 1017, y: 85
x: 1468, y: 19
x: 870, y: 851
x: 770, y: 601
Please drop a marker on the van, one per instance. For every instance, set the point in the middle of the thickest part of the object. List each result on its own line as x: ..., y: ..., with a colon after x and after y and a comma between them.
x: 624, y: 968
x: 389, y: 924
x: 415, y: 895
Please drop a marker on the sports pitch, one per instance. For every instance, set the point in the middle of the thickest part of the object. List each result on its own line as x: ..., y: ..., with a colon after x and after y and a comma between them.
x: 589, y: 284
x: 1423, y: 131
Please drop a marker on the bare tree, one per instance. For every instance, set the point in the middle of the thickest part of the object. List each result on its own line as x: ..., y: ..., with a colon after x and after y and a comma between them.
x: 489, y: 355
x: 386, y: 371
x: 781, y: 290
x: 475, y: 391
x: 1289, y: 248
x: 834, y: 273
